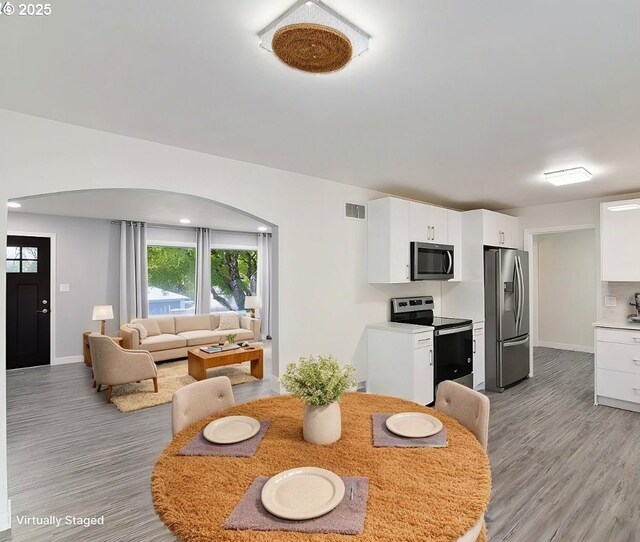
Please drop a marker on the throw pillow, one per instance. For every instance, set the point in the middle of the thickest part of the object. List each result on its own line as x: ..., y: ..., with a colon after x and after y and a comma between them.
x: 229, y: 320
x: 150, y: 324
x: 142, y: 331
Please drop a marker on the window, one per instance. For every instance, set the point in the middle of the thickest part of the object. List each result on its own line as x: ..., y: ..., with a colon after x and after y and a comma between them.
x: 234, y: 275
x: 172, y: 279
x: 22, y: 259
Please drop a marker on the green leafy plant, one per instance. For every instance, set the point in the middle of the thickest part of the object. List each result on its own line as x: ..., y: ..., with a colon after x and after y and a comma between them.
x: 318, y: 381
x: 231, y: 337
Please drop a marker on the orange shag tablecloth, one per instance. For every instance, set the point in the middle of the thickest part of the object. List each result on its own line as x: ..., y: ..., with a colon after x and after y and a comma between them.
x: 415, y: 494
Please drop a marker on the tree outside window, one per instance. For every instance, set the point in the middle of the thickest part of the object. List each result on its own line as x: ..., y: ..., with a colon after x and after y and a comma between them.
x: 234, y: 275
x: 171, y: 279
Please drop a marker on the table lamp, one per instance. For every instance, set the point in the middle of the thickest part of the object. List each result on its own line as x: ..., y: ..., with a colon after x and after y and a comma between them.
x: 251, y: 303
x: 103, y: 313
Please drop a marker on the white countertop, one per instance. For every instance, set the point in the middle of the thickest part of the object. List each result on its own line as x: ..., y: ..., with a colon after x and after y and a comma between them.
x: 617, y: 324
x: 400, y: 328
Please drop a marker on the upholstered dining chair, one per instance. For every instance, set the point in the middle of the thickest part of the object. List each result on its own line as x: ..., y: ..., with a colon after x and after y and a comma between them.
x: 467, y: 406
x: 471, y: 409
x: 113, y: 365
x: 199, y: 400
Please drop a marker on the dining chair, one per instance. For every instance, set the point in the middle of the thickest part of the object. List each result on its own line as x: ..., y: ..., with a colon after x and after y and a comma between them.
x: 467, y: 406
x: 113, y: 365
x: 471, y: 409
x: 200, y: 399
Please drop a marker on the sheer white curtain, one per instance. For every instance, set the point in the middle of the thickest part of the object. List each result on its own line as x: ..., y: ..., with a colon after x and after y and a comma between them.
x: 133, y: 271
x: 264, y: 282
x: 203, y: 270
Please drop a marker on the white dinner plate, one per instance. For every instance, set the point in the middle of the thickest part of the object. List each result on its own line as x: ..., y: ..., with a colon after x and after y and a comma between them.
x: 231, y: 429
x: 302, y: 493
x: 413, y: 424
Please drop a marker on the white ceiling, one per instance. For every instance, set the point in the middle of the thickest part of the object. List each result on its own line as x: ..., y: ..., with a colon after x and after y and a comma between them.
x: 152, y: 206
x: 459, y: 102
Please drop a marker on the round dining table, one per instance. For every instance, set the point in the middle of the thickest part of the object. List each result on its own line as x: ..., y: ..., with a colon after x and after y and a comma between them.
x: 414, y: 494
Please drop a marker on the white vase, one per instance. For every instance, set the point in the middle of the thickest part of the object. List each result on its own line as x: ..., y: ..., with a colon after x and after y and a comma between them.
x: 322, y: 424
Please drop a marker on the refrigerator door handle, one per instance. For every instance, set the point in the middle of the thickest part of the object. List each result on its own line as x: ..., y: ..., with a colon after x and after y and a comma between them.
x: 507, y: 344
x: 518, y: 280
x: 522, y: 290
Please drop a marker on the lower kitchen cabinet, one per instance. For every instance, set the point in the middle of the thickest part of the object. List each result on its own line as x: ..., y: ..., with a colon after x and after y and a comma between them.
x: 478, y: 356
x: 400, y: 361
x: 617, y: 367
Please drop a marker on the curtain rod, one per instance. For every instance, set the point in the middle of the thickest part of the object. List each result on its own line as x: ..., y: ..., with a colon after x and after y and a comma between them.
x: 167, y: 227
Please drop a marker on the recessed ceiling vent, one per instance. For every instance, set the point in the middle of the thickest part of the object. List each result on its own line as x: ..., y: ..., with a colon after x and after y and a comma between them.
x: 353, y: 210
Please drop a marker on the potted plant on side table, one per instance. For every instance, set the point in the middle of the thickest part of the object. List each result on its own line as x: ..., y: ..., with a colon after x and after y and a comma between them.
x: 319, y: 383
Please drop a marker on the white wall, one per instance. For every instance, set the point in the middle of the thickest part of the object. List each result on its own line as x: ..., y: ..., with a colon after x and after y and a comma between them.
x: 624, y: 292
x: 87, y: 259
x: 566, y: 287
x: 323, y: 302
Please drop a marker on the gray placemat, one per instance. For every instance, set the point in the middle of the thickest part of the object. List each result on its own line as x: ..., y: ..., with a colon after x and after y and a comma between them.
x: 382, y: 437
x: 199, y: 445
x: 346, y: 518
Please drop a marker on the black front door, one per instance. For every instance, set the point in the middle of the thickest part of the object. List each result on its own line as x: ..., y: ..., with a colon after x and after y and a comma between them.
x: 28, y: 301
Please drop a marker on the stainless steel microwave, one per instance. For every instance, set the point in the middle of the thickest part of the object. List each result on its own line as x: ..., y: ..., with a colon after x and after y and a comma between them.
x: 431, y: 262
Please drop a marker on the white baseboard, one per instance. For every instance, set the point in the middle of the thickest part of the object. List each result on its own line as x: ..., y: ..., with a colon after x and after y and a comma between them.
x: 68, y: 359
x: 5, y: 520
x: 572, y: 347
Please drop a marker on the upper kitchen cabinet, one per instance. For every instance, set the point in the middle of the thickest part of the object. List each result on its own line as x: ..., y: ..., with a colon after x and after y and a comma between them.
x: 388, y: 240
x: 619, y: 223
x: 428, y: 224
x: 499, y: 230
x: 393, y: 223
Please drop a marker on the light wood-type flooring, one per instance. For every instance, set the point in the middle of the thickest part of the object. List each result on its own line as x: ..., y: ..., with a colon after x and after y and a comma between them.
x: 563, y: 470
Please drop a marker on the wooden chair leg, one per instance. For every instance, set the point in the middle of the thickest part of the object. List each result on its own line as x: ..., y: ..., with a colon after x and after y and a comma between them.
x: 93, y: 385
x: 98, y: 387
x: 109, y: 393
x: 155, y: 384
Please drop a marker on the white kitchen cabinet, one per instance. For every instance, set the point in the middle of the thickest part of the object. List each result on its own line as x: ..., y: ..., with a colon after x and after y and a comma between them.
x: 400, y: 361
x: 428, y: 224
x: 454, y: 230
x: 388, y: 240
x: 617, y: 367
x: 620, y: 260
x: 499, y: 230
x: 478, y: 356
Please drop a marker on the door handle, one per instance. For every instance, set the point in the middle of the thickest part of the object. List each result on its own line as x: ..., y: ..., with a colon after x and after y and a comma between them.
x: 506, y: 344
x: 474, y: 346
x: 44, y: 311
x: 430, y: 357
x: 407, y: 271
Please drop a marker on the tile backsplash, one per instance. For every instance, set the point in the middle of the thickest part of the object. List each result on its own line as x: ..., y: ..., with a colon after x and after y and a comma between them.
x: 624, y: 293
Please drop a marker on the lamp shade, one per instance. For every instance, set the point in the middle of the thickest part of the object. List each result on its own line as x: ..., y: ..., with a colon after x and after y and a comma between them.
x: 252, y: 302
x: 103, y: 312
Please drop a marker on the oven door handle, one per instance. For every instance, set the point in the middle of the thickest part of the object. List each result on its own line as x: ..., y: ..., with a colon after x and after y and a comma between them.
x: 461, y: 329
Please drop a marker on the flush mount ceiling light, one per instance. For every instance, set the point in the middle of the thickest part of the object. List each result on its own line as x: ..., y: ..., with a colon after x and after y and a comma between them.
x: 624, y: 207
x: 13, y: 204
x: 568, y: 176
x: 185, y: 221
x: 313, y: 38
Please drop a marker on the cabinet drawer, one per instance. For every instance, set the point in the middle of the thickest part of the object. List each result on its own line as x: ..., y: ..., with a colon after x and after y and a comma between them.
x: 618, y: 357
x: 622, y: 336
x: 420, y: 340
x: 616, y: 385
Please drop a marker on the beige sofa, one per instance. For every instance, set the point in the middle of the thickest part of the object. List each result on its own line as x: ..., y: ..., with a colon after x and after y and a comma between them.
x: 169, y: 337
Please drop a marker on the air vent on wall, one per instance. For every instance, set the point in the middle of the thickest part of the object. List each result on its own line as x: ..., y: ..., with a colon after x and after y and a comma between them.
x: 353, y: 210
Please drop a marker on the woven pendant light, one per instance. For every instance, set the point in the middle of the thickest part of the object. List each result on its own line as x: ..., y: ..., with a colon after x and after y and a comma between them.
x: 312, y: 48
x: 313, y: 38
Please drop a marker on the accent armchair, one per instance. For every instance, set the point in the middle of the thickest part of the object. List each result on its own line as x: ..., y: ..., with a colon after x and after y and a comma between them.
x: 113, y: 365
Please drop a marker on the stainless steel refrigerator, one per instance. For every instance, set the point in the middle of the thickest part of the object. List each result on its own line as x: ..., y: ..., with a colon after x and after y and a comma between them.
x: 506, y: 293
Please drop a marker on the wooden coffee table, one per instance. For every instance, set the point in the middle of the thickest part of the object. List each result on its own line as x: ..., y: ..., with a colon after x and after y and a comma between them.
x: 200, y: 361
